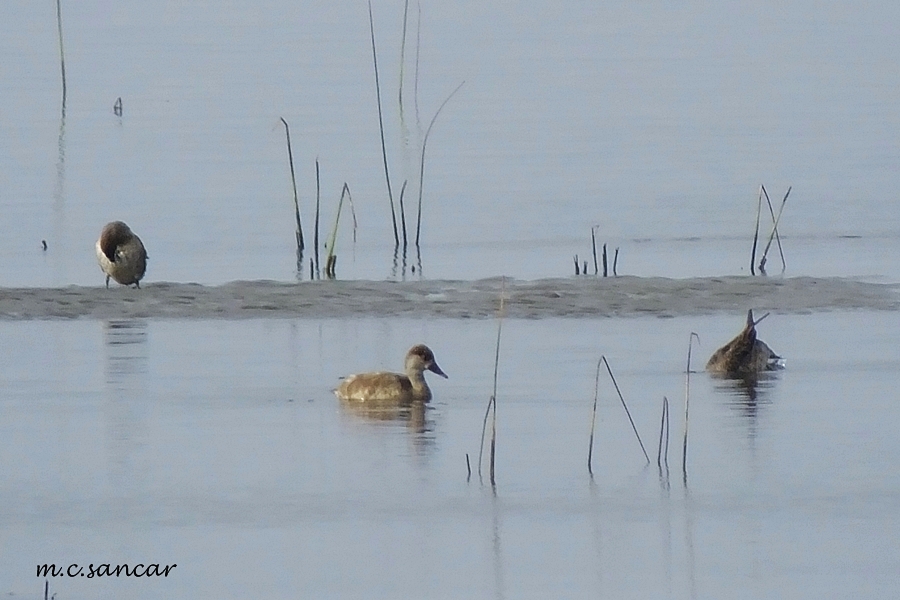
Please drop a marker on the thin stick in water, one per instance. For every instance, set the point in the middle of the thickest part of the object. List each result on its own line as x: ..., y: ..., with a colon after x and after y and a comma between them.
x: 605, y: 272
x: 687, y: 400
x: 663, y: 428
x: 422, y: 162
x: 594, y: 418
x: 299, y: 232
x: 594, y: 247
x: 416, y: 82
x: 616, y: 262
x: 756, y: 231
x: 496, y: 369
x: 387, y: 175
x: 402, y: 61
x: 316, y: 233
x: 625, y: 406
x: 487, y: 413
x: 577, y: 267
x: 468, y: 469
x: 62, y: 54
x: 774, y: 234
x: 331, y: 258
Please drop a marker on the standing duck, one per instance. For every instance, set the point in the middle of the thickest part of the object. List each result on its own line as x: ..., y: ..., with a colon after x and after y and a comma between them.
x: 393, y: 388
x: 745, y: 354
x: 121, y: 254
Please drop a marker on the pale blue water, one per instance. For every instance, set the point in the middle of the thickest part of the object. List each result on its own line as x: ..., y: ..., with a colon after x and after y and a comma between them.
x: 217, y: 445
x: 654, y: 121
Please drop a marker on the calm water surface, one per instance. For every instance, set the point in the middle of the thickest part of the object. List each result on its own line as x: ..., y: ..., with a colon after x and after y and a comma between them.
x: 657, y: 122
x: 218, y: 446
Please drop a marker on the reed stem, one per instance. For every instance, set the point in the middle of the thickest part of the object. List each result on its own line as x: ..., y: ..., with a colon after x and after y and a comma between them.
x: 663, y: 427
x: 316, y: 233
x: 594, y: 248
x: 62, y: 54
x: 402, y: 61
x: 756, y: 231
x: 625, y: 406
x: 387, y: 176
x: 605, y: 271
x: 422, y: 162
x: 331, y: 258
x: 774, y: 234
x: 687, y: 401
x: 593, y: 418
x: 299, y: 232
x: 416, y: 81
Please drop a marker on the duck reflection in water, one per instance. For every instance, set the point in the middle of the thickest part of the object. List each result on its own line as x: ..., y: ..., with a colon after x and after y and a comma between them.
x: 414, y: 416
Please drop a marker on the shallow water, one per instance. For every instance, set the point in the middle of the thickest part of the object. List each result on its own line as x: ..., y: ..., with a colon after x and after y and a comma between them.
x: 217, y: 445
x: 655, y: 122
x: 182, y: 424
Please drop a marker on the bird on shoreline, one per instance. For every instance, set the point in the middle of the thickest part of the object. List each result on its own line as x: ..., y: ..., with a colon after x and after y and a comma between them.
x: 393, y: 388
x: 745, y: 354
x: 121, y: 254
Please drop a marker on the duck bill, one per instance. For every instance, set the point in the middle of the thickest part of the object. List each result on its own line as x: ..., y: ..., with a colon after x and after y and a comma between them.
x: 434, y: 368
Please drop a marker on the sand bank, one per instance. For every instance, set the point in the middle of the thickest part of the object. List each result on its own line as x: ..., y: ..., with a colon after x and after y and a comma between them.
x: 568, y: 297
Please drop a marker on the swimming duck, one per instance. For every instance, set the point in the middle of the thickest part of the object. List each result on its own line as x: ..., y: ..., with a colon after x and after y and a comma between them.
x: 393, y: 388
x: 745, y: 354
x: 121, y: 254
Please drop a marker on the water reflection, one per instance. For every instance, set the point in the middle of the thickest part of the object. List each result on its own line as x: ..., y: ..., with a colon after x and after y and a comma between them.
x: 400, y: 263
x: 126, y: 414
x: 59, y: 194
x: 415, y: 417
x: 747, y: 394
x: 125, y: 341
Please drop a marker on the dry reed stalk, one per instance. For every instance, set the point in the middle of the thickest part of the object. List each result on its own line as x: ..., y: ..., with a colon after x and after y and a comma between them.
x: 492, y: 403
x: 756, y: 231
x: 62, y: 54
x: 387, y: 175
x: 605, y: 271
x: 625, y: 406
x: 774, y: 234
x: 593, y: 418
x: 422, y: 162
x: 416, y: 79
x: 316, y: 233
x: 331, y: 258
x: 299, y: 232
x: 402, y: 61
x: 594, y: 247
x: 687, y: 400
x: 487, y: 413
x: 663, y: 427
